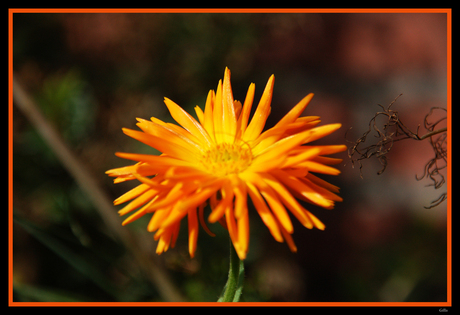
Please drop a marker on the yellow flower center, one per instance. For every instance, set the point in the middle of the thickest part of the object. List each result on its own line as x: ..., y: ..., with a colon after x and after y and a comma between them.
x: 227, y: 158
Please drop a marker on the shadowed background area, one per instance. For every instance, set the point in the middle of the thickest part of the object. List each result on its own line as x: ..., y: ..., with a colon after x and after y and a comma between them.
x: 92, y: 74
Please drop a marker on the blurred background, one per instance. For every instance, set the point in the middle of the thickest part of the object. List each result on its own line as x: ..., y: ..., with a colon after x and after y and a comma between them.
x: 92, y: 74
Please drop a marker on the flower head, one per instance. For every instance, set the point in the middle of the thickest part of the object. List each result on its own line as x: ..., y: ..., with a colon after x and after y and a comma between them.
x: 223, y: 158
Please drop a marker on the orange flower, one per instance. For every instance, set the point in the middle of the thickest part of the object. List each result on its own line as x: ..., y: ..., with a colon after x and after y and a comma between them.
x: 223, y: 158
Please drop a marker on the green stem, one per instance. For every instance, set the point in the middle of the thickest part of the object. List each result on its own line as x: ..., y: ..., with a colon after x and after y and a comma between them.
x: 234, y: 286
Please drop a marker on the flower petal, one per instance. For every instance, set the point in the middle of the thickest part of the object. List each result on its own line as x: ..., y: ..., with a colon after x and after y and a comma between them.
x: 160, y: 162
x: 192, y: 231
x: 240, y: 192
x: 177, y: 213
x: 133, y: 193
x: 293, y: 161
x: 188, y: 122
x: 322, y: 131
x: 217, y: 112
x: 321, y: 182
x: 296, y: 111
x: 158, y: 217
x: 208, y: 114
x: 162, y: 145
x: 289, y: 240
x: 273, y: 201
x: 264, y: 212
x: 303, y: 189
x: 257, y: 123
x: 279, y: 148
x: 227, y: 198
x: 319, y: 168
x: 202, y: 220
x: 199, y: 114
x: 325, y: 149
x: 328, y: 194
x: 246, y: 111
x: 139, y: 213
x: 164, y: 131
x: 243, y: 232
x: 233, y: 232
x: 228, y: 110
x: 288, y: 200
x: 139, y: 201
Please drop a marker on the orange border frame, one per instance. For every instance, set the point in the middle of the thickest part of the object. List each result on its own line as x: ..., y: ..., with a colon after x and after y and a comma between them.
x: 448, y: 11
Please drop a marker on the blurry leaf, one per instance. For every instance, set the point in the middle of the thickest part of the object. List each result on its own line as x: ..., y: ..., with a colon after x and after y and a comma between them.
x: 66, y: 99
x: 72, y: 258
x: 29, y: 293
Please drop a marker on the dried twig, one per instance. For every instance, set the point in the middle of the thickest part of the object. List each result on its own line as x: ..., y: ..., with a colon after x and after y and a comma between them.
x: 394, y: 130
x: 439, y: 161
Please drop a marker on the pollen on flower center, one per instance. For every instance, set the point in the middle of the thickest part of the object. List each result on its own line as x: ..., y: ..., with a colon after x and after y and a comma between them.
x: 227, y: 158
